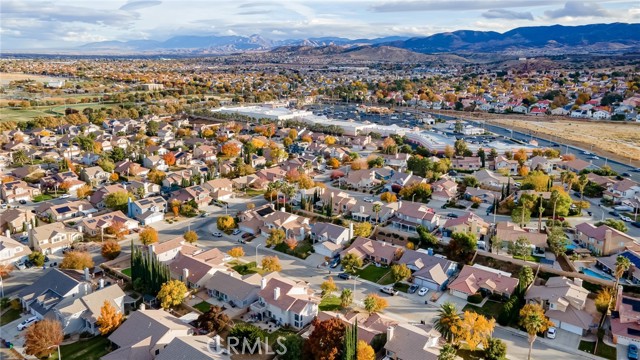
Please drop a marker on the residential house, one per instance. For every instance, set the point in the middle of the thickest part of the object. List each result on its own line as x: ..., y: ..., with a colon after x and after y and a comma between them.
x: 625, y: 189
x: 257, y: 161
x: 373, y: 251
x: 625, y: 320
x: 66, y: 210
x: 15, y: 220
x: 196, y: 269
x: 147, y: 210
x: 542, y: 163
x: 508, y: 233
x: 468, y: 222
x: 272, y: 174
x: 410, y: 215
x: 363, y: 211
x: 412, y: 342
x: 341, y: 201
x: 220, y: 189
x: 361, y: 179
x: 143, y: 188
x: 67, y: 179
x: 94, y: 175
x: 168, y: 250
x: 576, y: 165
x: 336, y: 234
x: 177, y: 179
x: 205, y: 153
x: 130, y: 168
x: 491, y: 180
x: 487, y: 197
x: 195, y: 193
x: 145, y: 334
x: 194, y: 347
x: 80, y: 314
x: 466, y: 163
x: 155, y: 162
x: 602, y: 240
x: 50, y: 289
x: 11, y: 250
x: 427, y: 270
x: 234, y: 289
x: 509, y: 166
x: 399, y: 179
x: 97, y: 199
x: 14, y: 191
x: 371, y: 327
x: 477, y: 278
x: 444, y: 190
x: 564, y: 302
x: 52, y: 238
x: 294, y: 226
x: 286, y: 301
x: 98, y: 225
x: 608, y: 265
x: 397, y: 161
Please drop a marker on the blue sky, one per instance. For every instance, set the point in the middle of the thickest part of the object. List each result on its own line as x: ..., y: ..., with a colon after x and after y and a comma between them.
x: 49, y: 24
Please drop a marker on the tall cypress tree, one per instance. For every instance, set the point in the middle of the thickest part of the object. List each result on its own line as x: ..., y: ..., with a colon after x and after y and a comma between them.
x: 350, y: 342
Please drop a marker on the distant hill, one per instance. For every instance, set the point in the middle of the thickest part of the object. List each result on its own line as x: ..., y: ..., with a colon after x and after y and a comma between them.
x: 556, y: 36
x: 595, y: 37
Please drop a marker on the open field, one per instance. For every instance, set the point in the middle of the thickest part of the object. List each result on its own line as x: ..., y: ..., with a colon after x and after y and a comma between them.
x: 18, y: 114
x: 621, y: 139
x: 6, y: 78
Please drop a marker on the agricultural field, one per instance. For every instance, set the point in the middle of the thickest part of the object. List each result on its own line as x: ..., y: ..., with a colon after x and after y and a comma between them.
x: 621, y: 139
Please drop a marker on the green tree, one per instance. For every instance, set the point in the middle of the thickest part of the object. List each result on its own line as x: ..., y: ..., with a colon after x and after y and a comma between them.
x: 534, y: 321
x: 426, y: 237
x: 362, y: 229
x: 373, y: 303
x: 521, y: 247
x: 557, y: 241
x: 346, y: 298
x: 376, y: 209
x: 226, y: 223
x: 496, y: 349
x: 525, y: 277
x: 247, y: 333
x: 615, y: 224
x: 461, y: 148
x: 215, y: 319
x: 294, y: 345
x: 37, y: 258
x: 447, y: 352
x: 118, y: 200
x: 461, y: 245
x: 351, y: 262
x: 447, y: 321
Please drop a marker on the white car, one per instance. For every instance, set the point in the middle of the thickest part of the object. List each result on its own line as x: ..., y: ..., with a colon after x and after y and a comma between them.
x: 595, y: 157
x: 25, y: 324
x: 217, y: 234
x: 236, y: 232
x: 368, y: 199
x: 423, y: 291
x: 625, y: 219
x: 64, y: 196
x: 389, y: 290
x: 551, y: 333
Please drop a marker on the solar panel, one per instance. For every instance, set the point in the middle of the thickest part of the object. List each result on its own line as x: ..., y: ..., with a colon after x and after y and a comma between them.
x: 634, y: 332
x: 635, y: 304
x: 91, y: 221
x: 63, y: 210
x: 632, y: 257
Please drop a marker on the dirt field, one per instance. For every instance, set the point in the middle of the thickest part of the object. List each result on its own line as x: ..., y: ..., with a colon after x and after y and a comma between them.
x: 6, y: 78
x: 622, y: 140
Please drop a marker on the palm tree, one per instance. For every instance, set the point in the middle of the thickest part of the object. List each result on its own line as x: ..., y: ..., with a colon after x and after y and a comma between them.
x: 568, y: 177
x: 582, y: 183
x: 447, y: 352
x: 622, y: 265
x: 376, y: 209
x: 533, y: 320
x: 448, y: 317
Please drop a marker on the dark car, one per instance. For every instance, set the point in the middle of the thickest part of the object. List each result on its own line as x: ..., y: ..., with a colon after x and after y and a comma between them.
x: 246, y: 235
x: 626, y: 174
x: 334, y: 263
x: 590, y: 213
x: 636, y: 224
x: 413, y: 288
x: 23, y: 202
x: 614, y: 213
x: 344, y: 276
x: 452, y: 215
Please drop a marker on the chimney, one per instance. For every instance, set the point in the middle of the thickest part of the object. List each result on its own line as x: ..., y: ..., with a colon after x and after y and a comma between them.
x: 185, y: 275
x: 263, y: 283
x: 276, y: 293
x: 7, y: 233
x: 607, y: 235
x: 80, y: 208
x: 89, y: 216
x: 390, y: 333
x: 283, y: 209
x: 87, y: 276
x: 351, y: 230
x: 79, y: 228
x: 142, y: 307
x: 101, y: 283
x: 362, y: 209
x: 577, y: 281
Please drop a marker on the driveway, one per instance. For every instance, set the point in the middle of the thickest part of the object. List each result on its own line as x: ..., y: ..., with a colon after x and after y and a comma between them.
x: 10, y: 332
x: 446, y: 297
x: 566, y: 339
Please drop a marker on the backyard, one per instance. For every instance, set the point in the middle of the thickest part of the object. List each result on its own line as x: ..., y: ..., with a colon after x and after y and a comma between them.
x: 244, y: 269
x: 203, y: 306
x: 380, y: 275
x: 489, y: 309
x: 91, y: 349
x: 329, y: 303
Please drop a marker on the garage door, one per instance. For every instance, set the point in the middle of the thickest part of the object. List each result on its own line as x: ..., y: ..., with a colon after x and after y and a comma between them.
x: 459, y: 294
x: 428, y: 284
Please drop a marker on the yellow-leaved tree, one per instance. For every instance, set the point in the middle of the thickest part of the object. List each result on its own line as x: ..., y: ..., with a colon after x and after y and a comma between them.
x: 236, y: 252
x: 364, y: 351
x: 271, y: 263
x: 110, y: 318
x: 474, y: 329
x: 172, y: 293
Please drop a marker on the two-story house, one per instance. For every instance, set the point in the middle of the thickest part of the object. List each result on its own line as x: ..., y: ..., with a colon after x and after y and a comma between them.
x: 195, y: 193
x: 294, y: 226
x: 155, y: 162
x: 410, y: 215
x: 80, y: 314
x: 622, y: 190
x: 444, y: 190
x: 98, y: 225
x: 52, y: 287
x: 286, y: 301
x: 220, y: 189
x: 564, y: 301
x: 147, y: 210
x: 468, y: 222
x: 361, y: 179
x: 510, y: 166
x: 14, y: 191
x: 11, y: 250
x: 428, y: 271
x: 15, y: 220
x: 602, y: 240
x: 322, y: 231
x: 94, y: 175
x: 466, y: 163
x: 97, y: 199
x: 53, y: 238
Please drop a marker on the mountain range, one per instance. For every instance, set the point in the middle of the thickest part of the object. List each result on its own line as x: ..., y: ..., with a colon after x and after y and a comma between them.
x: 594, y: 37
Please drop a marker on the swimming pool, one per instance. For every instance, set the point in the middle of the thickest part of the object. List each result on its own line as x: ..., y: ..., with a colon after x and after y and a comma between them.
x: 572, y: 247
x: 596, y: 275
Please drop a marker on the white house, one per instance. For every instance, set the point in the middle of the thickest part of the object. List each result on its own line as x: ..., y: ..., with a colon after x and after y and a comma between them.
x: 148, y: 210
x: 80, y: 314
x: 11, y: 250
x: 286, y: 301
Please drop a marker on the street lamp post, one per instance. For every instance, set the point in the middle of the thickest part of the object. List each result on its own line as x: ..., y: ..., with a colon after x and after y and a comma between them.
x: 1, y: 287
x: 58, y: 346
x: 413, y: 198
x: 354, y: 287
x: 257, y: 246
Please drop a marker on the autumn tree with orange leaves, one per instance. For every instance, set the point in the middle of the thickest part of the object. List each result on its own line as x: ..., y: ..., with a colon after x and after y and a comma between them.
x: 230, y: 149
x: 169, y: 159
x: 43, y: 338
x: 110, y: 318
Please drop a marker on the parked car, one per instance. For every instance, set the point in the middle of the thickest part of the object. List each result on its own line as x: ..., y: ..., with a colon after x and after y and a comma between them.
x: 65, y: 196
x: 20, y: 265
x: 23, y: 202
x: 344, y: 276
x: 632, y: 352
x: 636, y: 224
x: 625, y: 219
x: 389, y: 290
x: 217, y: 234
x: 614, y: 213
x: 25, y: 324
x: 246, y: 235
x: 413, y: 288
x: 452, y: 215
x: 590, y: 213
x: 551, y: 333
x: 636, y: 170
x: 236, y: 232
x: 368, y: 200
x: 423, y: 291
x: 625, y: 174
x: 334, y: 263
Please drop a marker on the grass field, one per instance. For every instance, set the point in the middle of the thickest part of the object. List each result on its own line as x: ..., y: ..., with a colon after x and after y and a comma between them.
x: 92, y: 349
x: 372, y: 273
x: 9, y: 316
x: 329, y: 303
x: 203, y: 306
x: 604, y: 350
x: 17, y: 114
x: 490, y: 308
x: 126, y: 271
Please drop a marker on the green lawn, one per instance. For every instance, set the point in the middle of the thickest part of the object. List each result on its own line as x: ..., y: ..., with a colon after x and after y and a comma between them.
x: 91, y: 349
x: 373, y: 273
x: 604, y: 350
x: 330, y: 303
x: 401, y: 287
x: 203, y: 306
x: 126, y: 271
x: 9, y: 316
x: 254, y: 192
x: 467, y: 354
x: 490, y: 308
x: 244, y: 269
x: 18, y: 114
x: 302, y: 251
x: 42, y: 197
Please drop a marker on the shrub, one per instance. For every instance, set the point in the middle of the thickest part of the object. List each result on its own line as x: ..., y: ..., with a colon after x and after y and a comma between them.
x: 475, y: 298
